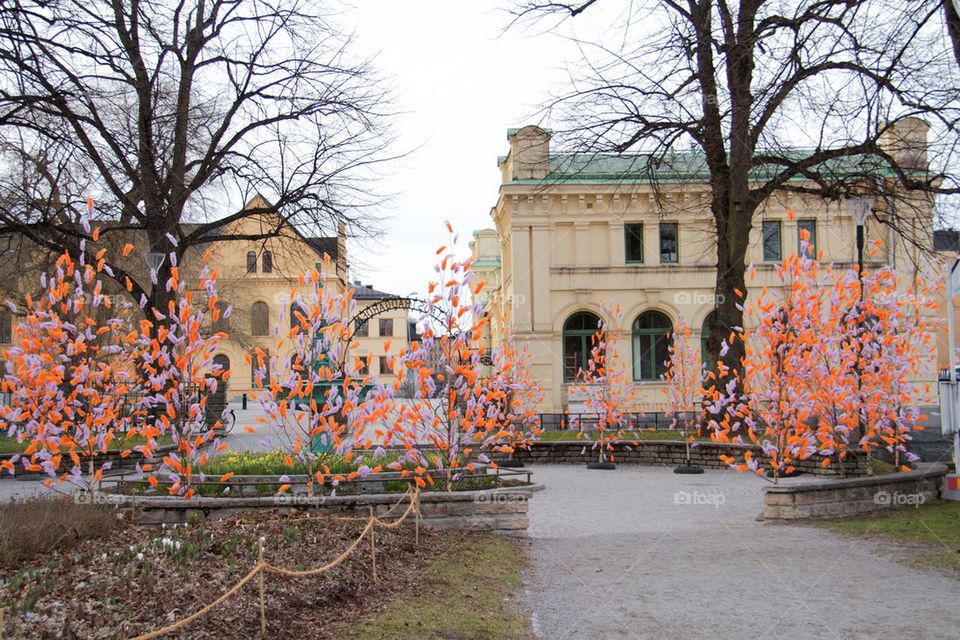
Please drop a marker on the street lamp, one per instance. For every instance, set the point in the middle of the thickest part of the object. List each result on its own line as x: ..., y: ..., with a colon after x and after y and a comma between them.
x: 859, y: 209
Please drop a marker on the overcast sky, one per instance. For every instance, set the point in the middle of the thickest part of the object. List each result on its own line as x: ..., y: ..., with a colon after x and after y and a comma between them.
x: 460, y: 83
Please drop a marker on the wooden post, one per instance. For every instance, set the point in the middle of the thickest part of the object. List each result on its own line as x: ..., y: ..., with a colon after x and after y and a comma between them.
x: 1, y: 623
x: 373, y: 545
x: 416, y: 519
x: 263, y: 608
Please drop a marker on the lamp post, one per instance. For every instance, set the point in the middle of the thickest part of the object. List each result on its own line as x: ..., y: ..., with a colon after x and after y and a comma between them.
x: 859, y: 209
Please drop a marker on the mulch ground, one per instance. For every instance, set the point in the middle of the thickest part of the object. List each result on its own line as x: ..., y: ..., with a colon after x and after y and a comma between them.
x: 138, y: 579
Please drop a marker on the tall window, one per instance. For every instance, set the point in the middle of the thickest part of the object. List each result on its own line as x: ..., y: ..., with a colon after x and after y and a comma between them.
x: 222, y: 362
x: 259, y: 319
x: 363, y: 365
x: 633, y: 237
x: 811, y: 227
x: 267, y: 262
x: 771, y: 241
x: 251, y: 261
x: 386, y: 326
x: 385, y: 366
x: 6, y: 327
x: 669, y: 243
x: 705, y: 356
x: 651, y: 345
x: 255, y: 364
x: 294, y: 318
x: 222, y: 323
x: 578, y: 332
x: 363, y: 330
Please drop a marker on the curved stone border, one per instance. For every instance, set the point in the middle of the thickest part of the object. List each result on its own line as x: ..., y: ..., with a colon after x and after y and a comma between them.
x: 848, y: 497
x: 670, y: 453
x: 502, y: 510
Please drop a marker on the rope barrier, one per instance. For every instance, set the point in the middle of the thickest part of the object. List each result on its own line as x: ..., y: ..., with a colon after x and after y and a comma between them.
x: 263, y: 567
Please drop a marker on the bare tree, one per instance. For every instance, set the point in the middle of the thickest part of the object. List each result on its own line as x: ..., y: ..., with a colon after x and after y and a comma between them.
x: 771, y: 96
x: 177, y: 111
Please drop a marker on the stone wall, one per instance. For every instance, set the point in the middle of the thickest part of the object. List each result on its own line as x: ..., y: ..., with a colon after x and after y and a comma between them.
x: 837, y: 498
x: 669, y: 453
x: 502, y: 511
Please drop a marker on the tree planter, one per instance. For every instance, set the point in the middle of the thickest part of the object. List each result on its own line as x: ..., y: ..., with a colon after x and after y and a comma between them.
x: 510, y: 464
x: 784, y: 474
x: 688, y: 469
x: 607, y: 466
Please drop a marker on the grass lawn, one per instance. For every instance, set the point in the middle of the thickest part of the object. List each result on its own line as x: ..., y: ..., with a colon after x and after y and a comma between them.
x: 10, y: 445
x: 627, y: 436
x: 934, y: 527
x: 469, y: 591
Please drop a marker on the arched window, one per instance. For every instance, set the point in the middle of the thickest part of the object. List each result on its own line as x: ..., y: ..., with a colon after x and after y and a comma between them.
x: 222, y: 323
x: 294, y: 318
x: 651, y: 345
x: 578, y: 332
x: 222, y: 362
x: 705, y: 356
x: 259, y: 319
x: 267, y: 262
x: 251, y: 261
x: 254, y: 364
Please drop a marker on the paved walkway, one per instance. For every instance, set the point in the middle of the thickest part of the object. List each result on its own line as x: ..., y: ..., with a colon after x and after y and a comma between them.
x: 642, y: 553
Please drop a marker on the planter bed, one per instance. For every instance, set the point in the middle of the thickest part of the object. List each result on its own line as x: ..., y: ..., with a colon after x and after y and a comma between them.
x: 669, y: 453
x: 500, y: 510
x: 835, y: 498
x: 119, y: 464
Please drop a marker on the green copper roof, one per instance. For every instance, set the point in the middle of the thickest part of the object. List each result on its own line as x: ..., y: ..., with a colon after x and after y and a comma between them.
x: 680, y: 167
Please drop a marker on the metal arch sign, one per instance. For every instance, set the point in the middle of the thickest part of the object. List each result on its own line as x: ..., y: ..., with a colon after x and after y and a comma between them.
x: 393, y: 304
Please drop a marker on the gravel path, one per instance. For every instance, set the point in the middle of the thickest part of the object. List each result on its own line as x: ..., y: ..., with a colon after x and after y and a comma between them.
x: 642, y: 553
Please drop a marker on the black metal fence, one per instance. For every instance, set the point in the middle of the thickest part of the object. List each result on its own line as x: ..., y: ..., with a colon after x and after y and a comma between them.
x: 656, y: 420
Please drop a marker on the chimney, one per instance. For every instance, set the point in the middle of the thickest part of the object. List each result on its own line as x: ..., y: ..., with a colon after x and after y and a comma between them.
x: 529, y: 157
x: 906, y: 141
x: 342, y: 251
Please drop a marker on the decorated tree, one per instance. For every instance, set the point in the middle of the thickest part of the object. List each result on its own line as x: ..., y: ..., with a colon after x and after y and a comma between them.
x: 684, y: 378
x: 68, y: 379
x: 450, y: 404
x: 177, y: 377
x: 604, y: 385
x: 85, y: 378
x: 320, y: 403
x: 511, y: 418
x: 829, y: 370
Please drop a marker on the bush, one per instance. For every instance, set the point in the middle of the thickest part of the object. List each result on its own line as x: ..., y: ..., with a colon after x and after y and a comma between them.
x: 41, y: 525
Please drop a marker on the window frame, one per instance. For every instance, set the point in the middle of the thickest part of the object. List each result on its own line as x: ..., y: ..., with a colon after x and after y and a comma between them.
x: 585, y: 337
x: 266, y: 262
x: 362, y: 331
x: 383, y: 364
x: 676, y: 241
x: 812, y: 222
x: 380, y: 326
x: 251, y: 261
x: 628, y: 231
x: 763, y: 240
x: 253, y: 319
x: 637, y: 335
x: 6, y: 326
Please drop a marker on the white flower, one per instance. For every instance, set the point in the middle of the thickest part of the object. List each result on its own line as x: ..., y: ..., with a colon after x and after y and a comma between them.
x: 139, y: 557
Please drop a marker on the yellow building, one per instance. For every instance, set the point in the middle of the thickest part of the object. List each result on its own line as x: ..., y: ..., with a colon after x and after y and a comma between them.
x: 255, y: 279
x: 575, y: 230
